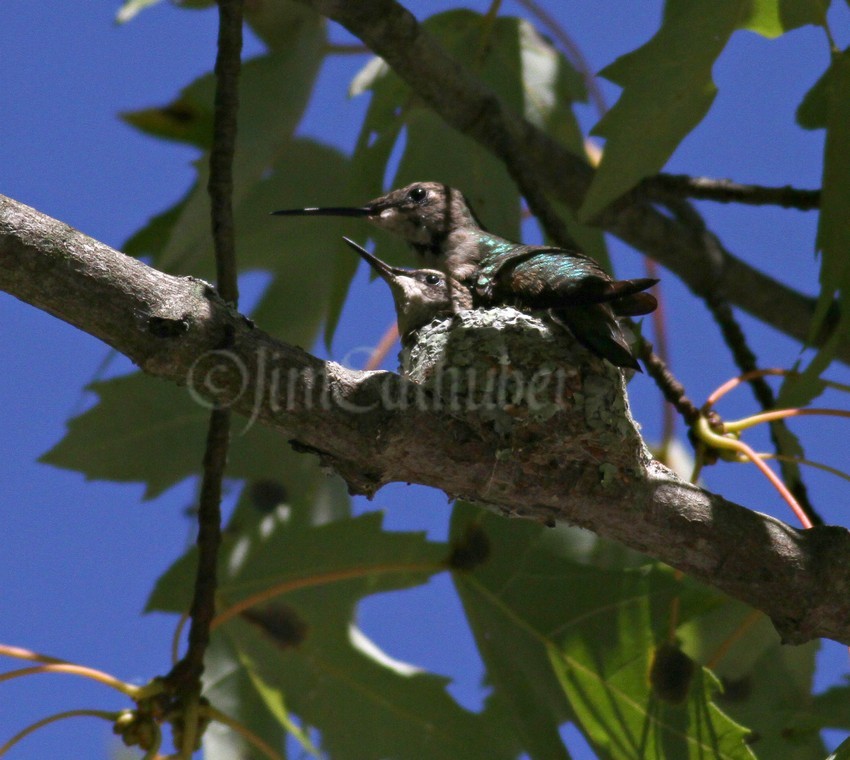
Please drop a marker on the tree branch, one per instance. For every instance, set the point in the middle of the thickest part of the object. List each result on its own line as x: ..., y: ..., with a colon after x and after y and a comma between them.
x: 185, y: 677
x: 376, y: 427
x: 472, y: 108
x: 727, y: 191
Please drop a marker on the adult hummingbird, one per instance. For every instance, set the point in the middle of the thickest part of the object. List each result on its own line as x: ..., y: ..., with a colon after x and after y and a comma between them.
x: 420, y: 295
x: 441, y: 227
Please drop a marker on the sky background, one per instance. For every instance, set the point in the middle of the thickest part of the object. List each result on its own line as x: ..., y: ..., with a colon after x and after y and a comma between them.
x: 79, y: 558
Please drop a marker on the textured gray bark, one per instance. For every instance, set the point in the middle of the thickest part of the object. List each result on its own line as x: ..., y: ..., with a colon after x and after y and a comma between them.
x: 541, y: 431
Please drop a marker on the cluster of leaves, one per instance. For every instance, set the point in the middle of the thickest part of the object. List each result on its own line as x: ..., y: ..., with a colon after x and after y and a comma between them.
x: 570, y: 629
x: 668, y: 89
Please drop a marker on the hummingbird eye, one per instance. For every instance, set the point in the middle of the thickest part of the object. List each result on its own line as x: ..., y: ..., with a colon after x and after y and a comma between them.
x: 432, y: 279
x: 417, y: 194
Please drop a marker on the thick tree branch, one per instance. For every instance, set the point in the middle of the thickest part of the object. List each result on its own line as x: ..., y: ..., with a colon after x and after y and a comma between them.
x: 376, y: 427
x: 472, y: 108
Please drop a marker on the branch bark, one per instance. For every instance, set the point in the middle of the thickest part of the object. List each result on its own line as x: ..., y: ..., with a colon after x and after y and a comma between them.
x: 727, y: 191
x: 472, y: 108
x: 370, y: 428
x: 184, y: 679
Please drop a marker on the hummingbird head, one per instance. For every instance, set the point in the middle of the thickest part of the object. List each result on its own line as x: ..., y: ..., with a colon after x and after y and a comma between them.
x: 423, y: 213
x: 420, y: 295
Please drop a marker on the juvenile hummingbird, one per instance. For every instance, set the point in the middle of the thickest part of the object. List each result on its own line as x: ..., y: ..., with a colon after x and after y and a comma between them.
x: 420, y: 295
x: 440, y: 226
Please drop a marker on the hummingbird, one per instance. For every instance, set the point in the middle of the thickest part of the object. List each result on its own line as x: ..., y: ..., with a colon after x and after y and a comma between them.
x: 440, y: 226
x: 420, y: 295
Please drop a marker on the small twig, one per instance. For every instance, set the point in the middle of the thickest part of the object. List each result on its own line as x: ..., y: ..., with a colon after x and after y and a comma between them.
x: 808, y: 463
x: 746, y: 361
x: 175, y: 639
x: 69, y: 668
x: 670, y: 387
x: 84, y: 713
x: 704, y: 432
x: 730, y: 385
x: 781, y: 414
x: 334, y: 48
x: 388, y: 340
x: 727, y: 191
x: 220, y: 186
x: 184, y: 678
x: 185, y: 675
x: 737, y: 343
x: 659, y: 329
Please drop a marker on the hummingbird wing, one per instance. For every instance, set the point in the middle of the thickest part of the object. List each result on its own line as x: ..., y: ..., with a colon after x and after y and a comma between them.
x: 548, y: 277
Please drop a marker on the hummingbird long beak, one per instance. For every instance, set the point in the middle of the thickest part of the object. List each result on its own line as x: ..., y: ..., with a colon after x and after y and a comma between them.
x: 328, y: 211
x: 388, y: 273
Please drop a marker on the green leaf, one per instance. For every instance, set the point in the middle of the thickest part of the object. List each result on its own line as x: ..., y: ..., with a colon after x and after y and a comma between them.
x: 564, y: 640
x: 801, y: 389
x: 329, y: 565
x: 230, y: 689
x: 603, y: 664
x: 271, y: 171
x: 765, y: 18
x: 667, y: 90
x: 766, y: 686
x: 796, y: 13
x: 302, y: 647
x: 364, y: 704
x: 771, y: 18
x: 272, y: 96
x: 311, y: 499
x: 668, y: 86
x: 281, y: 24
x: 153, y: 237
x: 514, y: 651
x: 622, y: 727
x: 833, y: 233
x: 123, y: 438
x: 274, y: 701
x: 831, y: 709
x: 298, y: 252
x: 833, y: 239
x: 774, y: 700
x: 812, y: 111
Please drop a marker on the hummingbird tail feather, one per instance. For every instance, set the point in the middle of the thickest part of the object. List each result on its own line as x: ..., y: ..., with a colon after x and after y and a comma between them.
x: 635, y: 305
x: 596, y: 328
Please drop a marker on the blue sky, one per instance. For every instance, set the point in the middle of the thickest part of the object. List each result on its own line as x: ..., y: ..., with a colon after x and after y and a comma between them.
x: 79, y: 558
